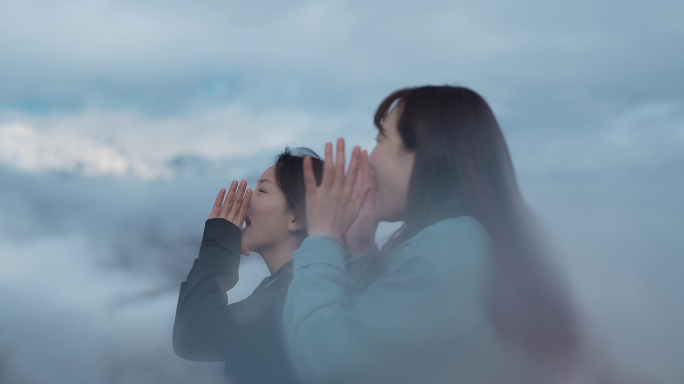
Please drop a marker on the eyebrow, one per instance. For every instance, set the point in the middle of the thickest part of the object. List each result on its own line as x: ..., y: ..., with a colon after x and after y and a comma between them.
x: 262, y: 181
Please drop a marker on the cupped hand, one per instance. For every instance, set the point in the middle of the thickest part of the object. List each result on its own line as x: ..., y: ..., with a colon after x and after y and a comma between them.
x: 360, y: 237
x: 235, y: 206
x: 333, y: 206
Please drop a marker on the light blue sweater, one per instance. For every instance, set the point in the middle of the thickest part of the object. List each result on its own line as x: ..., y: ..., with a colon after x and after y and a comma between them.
x: 423, y: 321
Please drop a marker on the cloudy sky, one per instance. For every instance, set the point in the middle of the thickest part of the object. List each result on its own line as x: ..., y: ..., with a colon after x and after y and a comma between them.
x: 119, y: 122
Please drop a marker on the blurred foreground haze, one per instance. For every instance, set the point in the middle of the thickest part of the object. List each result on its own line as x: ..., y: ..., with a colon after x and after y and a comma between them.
x: 120, y: 121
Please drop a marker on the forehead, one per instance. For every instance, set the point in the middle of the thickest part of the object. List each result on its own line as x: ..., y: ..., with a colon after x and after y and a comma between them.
x: 268, y: 175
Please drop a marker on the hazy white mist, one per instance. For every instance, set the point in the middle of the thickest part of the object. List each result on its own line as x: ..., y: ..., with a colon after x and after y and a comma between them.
x: 120, y: 121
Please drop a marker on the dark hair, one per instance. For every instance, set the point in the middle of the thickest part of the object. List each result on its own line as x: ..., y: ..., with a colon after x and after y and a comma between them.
x: 463, y: 167
x: 289, y: 175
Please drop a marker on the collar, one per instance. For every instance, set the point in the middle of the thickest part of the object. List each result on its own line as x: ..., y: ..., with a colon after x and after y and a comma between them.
x: 284, y: 269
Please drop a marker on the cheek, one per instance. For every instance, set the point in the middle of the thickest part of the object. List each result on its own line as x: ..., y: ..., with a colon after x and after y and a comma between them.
x: 266, y: 216
x: 377, y: 165
x: 256, y: 215
x: 254, y: 208
x: 392, y: 177
x: 382, y: 169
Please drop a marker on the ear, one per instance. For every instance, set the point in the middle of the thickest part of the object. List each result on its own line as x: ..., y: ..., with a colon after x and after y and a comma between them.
x: 293, y: 225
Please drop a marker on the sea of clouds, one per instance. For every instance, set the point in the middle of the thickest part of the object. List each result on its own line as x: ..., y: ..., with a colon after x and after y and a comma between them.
x: 92, y: 257
x: 120, y: 121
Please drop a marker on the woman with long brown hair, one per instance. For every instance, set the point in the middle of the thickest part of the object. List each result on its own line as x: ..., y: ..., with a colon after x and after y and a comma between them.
x: 463, y: 292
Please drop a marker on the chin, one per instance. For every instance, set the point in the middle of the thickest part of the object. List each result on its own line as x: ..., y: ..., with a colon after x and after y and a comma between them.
x: 247, y: 243
x: 379, y: 215
x: 388, y: 215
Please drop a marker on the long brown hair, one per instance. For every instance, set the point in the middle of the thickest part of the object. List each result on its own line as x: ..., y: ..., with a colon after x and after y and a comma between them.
x: 463, y: 167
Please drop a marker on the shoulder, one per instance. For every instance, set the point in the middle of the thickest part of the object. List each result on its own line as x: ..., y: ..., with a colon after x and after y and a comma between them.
x: 450, y: 244
x: 457, y: 231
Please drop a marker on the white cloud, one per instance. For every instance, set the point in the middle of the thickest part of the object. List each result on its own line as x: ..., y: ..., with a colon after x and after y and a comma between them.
x: 139, y: 54
x: 90, y: 274
x: 25, y: 148
x: 125, y: 143
x: 67, y: 321
x: 588, y: 94
x: 647, y: 135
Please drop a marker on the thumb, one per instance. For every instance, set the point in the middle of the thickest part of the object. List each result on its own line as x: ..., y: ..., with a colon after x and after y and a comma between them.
x: 366, y: 196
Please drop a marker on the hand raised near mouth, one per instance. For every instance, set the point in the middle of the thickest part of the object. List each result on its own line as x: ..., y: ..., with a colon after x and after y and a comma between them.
x: 235, y: 206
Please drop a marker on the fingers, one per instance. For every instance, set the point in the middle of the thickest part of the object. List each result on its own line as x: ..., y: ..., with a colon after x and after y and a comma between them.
x: 352, y: 173
x: 239, y: 196
x: 365, y: 171
x: 333, y: 206
x: 216, y: 209
x: 339, y: 164
x: 244, y: 207
x: 328, y: 168
x: 365, y: 168
x: 230, y: 198
x: 359, y: 180
x: 361, y: 197
x: 363, y: 174
x: 309, y: 177
x: 367, y: 182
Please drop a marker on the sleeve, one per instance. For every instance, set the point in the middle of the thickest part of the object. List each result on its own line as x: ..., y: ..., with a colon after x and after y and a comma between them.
x: 356, y: 266
x: 206, y: 328
x: 402, y: 319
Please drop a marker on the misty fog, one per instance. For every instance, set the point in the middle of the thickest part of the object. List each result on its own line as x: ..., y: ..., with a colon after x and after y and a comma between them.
x: 120, y: 121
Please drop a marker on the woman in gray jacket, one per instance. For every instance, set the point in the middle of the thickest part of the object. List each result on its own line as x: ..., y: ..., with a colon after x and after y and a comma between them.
x: 461, y: 293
